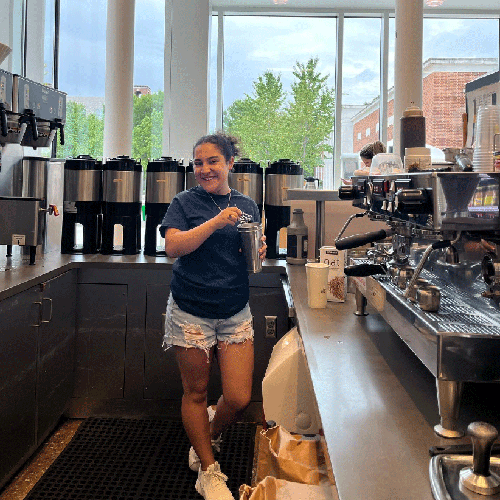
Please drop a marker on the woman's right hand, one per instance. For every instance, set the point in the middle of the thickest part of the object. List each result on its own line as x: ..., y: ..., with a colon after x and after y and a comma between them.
x: 228, y: 216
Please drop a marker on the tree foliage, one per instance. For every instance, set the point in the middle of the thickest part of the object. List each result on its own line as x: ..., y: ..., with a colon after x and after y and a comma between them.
x: 84, y: 131
x: 272, y: 124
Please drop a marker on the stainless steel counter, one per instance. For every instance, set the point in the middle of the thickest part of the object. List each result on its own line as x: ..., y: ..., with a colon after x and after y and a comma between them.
x: 376, y: 399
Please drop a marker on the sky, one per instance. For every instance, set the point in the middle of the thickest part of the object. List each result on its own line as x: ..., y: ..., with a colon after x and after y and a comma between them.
x: 254, y: 45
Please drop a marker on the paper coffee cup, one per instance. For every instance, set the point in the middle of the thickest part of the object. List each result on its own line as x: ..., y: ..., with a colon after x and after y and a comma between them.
x: 317, y: 284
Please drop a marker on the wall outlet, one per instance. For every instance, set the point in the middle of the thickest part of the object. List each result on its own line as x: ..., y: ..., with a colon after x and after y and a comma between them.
x: 271, y: 326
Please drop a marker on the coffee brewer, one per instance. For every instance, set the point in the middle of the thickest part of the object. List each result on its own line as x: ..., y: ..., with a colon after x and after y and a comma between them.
x: 247, y: 178
x: 164, y: 179
x: 12, y: 126
x: 42, y: 108
x: 122, y: 178
x: 82, y: 204
x: 279, y: 177
x: 190, y: 179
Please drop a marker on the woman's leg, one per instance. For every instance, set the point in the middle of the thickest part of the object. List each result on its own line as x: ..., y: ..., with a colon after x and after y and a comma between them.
x: 236, y: 366
x: 195, y: 373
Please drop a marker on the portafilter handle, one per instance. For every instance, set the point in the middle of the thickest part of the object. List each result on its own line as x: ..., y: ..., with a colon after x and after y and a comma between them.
x: 479, y: 478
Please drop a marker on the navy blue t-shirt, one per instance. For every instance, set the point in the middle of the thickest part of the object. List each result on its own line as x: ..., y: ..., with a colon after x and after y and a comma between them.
x: 211, y: 281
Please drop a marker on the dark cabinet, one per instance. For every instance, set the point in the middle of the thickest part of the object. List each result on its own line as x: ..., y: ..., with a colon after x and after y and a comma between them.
x: 18, y: 360
x: 101, y: 341
x: 37, y: 329
x: 56, y: 352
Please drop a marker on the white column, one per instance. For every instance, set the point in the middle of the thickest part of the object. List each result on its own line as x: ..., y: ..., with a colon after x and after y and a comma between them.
x: 35, y: 17
x: 118, y: 98
x: 167, y: 57
x: 408, y: 61
x: 187, y: 84
x: 220, y: 73
x: 384, y: 77
x: 332, y: 182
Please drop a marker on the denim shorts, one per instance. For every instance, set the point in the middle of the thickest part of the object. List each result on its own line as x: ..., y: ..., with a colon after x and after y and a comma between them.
x: 185, y: 330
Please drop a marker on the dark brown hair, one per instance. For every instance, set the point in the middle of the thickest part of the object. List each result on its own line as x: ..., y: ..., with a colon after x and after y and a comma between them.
x: 227, y: 144
x: 372, y: 149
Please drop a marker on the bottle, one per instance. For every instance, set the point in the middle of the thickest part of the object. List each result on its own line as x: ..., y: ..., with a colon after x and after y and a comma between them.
x: 296, y: 245
x: 412, y: 129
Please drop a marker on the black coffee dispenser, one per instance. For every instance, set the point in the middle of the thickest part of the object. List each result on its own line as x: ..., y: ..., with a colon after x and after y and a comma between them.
x: 121, y: 205
x: 247, y: 178
x: 82, y: 204
x: 279, y: 177
x: 164, y: 179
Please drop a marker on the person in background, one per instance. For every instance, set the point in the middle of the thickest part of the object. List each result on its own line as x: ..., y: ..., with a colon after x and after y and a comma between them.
x: 367, y: 153
x: 208, y: 312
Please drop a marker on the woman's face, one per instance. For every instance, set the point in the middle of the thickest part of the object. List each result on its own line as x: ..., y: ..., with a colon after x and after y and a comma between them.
x: 211, y: 169
x: 367, y: 162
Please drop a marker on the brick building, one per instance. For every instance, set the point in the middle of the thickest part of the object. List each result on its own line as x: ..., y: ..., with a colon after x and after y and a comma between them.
x: 443, y: 92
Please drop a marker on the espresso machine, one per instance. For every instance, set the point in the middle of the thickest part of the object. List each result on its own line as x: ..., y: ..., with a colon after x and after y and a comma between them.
x: 434, y: 273
x: 279, y: 177
x: 122, y: 179
x: 247, y: 178
x: 165, y: 178
x: 82, y: 205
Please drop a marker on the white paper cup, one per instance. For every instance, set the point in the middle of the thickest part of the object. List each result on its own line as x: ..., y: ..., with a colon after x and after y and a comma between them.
x: 317, y: 284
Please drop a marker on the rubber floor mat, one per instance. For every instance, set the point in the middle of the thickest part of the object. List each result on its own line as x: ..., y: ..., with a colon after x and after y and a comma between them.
x: 139, y: 459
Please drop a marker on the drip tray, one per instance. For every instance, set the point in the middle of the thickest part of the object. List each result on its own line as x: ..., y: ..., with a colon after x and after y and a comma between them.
x: 444, y: 471
x: 139, y: 459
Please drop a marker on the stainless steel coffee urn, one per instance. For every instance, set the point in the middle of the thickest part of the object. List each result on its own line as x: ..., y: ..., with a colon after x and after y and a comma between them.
x: 82, y: 205
x: 247, y: 178
x: 279, y: 176
x: 28, y: 215
x: 190, y: 179
x: 164, y: 179
x: 122, y: 205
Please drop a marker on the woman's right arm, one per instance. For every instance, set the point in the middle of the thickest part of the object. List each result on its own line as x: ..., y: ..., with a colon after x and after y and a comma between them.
x: 179, y: 243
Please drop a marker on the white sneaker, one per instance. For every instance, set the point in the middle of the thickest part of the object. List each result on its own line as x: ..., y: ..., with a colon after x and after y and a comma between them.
x: 211, y: 484
x: 193, y: 459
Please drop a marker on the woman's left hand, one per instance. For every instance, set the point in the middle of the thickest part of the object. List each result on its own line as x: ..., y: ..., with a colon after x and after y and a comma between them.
x: 263, y: 248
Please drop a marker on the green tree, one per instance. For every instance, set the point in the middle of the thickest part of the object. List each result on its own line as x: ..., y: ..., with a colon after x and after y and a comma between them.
x: 258, y: 119
x: 310, y: 116
x: 271, y: 127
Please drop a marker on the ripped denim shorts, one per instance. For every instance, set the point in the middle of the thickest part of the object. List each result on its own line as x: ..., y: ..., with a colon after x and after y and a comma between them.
x: 185, y: 330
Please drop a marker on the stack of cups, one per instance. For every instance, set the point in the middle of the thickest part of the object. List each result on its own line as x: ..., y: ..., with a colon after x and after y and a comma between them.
x: 488, y: 125
x: 317, y: 283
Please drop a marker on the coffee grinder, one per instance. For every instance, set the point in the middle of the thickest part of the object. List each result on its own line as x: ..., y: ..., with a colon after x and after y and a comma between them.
x: 121, y: 205
x: 164, y: 179
x: 279, y: 177
x: 82, y: 204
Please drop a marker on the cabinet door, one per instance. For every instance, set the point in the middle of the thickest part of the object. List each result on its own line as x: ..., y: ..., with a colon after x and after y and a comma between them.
x: 56, y: 362
x: 101, y: 329
x: 161, y: 375
x: 266, y: 302
x: 19, y: 317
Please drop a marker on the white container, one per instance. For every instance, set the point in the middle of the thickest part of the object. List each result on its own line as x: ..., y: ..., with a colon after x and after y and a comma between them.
x: 417, y: 159
x: 317, y: 284
x: 287, y: 390
x: 336, y: 291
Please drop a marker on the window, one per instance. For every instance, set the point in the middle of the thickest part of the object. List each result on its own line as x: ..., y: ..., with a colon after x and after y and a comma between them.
x: 81, y: 75
x: 367, y: 133
x: 455, y: 52
x: 279, y: 87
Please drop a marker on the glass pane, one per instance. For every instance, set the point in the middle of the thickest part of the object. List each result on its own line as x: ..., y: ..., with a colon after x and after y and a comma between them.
x: 360, y: 89
x: 48, y: 46
x: 279, y: 75
x: 455, y: 52
x: 12, y: 34
x: 81, y: 75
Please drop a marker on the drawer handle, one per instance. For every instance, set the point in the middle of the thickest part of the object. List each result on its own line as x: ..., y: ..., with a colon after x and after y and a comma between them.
x: 39, y: 314
x: 50, y: 316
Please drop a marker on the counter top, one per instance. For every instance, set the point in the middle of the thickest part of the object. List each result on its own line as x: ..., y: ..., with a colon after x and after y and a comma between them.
x: 377, y: 401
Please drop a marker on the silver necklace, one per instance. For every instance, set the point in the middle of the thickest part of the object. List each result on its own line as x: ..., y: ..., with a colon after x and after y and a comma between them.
x: 228, y: 202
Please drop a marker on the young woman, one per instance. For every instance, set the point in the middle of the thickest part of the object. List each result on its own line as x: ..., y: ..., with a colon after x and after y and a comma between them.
x: 208, y: 305
x: 367, y: 153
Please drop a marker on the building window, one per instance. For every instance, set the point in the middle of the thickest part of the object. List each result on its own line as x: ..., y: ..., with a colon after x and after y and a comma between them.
x: 367, y: 133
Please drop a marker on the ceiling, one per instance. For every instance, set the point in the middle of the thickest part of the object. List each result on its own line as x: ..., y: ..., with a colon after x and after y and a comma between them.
x: 491, y: 6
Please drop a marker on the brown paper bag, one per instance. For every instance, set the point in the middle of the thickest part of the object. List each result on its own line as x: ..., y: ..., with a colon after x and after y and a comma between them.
x: 291, y: 457
x: 271, y: 488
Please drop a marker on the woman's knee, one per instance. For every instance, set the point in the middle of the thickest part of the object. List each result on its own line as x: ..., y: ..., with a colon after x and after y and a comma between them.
x: 238, y: 401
